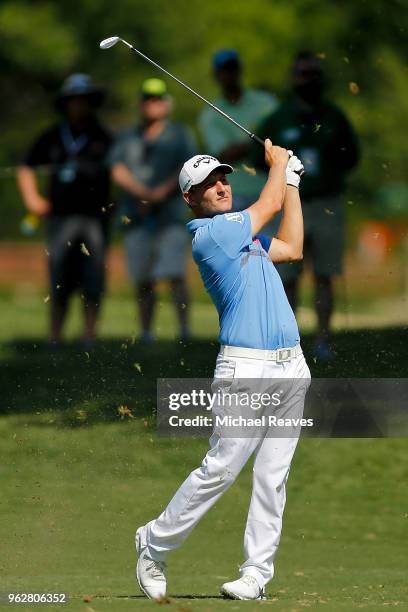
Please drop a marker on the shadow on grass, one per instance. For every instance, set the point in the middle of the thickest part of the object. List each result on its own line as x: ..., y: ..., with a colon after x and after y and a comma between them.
x: 73, y: 381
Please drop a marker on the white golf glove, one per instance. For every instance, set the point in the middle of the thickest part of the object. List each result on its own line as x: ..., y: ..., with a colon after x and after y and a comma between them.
x: 294, y: 170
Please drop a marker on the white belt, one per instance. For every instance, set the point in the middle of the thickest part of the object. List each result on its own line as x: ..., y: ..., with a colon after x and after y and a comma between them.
x: 278, y: 355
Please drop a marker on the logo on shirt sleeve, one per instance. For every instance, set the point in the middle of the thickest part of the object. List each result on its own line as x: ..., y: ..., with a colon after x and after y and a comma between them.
x: 235, y: 216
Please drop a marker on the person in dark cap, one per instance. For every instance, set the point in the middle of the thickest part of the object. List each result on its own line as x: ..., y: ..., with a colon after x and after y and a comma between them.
x: 145, y: 162
x: 224, y: 140
x: 73, y: 155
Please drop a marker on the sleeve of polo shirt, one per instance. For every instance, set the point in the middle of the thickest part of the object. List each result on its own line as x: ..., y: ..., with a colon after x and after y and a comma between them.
x: 232, y: 232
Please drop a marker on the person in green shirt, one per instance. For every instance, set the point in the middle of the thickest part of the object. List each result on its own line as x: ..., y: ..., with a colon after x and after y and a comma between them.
x: 325, y: 142
x: 223, y: 139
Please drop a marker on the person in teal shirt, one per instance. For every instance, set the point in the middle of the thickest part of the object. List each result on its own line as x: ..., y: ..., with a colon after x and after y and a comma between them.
x: 145, y: 162
x: 223, y: 139
x: 326, y: 143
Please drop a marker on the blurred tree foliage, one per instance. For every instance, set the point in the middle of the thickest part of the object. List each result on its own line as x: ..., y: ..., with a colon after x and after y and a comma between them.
x: 362, y: 42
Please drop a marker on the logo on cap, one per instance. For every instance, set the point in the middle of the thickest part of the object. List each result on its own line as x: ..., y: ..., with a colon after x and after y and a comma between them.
x: 206, y: 159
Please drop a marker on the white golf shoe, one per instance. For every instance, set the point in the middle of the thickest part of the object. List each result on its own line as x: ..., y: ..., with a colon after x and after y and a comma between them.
x: 149, y: 572
x: 246, y: 587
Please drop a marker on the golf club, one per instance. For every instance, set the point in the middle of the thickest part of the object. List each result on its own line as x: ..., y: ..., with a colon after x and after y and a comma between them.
x: 110, y: 42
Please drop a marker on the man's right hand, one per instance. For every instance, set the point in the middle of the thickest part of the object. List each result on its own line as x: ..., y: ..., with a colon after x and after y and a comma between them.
x: 272, y: 195
x: 274, y: 155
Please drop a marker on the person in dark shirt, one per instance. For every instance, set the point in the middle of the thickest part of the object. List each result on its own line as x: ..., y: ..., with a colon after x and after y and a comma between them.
x: 73, y: 155
x: 325, y: 142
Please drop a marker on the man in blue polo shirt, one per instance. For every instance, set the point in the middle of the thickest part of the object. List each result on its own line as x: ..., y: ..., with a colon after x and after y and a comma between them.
x: 259, y: 340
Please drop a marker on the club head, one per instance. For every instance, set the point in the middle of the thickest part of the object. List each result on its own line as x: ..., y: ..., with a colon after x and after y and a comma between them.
x: 109, y: 42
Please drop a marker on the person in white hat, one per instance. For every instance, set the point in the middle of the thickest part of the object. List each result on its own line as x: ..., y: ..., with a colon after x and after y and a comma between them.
x: 259, y: 340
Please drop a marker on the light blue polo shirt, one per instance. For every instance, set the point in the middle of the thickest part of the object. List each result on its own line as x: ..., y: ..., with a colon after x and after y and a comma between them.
x: 243, y: 283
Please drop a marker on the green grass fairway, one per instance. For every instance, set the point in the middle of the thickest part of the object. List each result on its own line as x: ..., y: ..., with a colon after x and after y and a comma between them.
x: 77, y: 479
x: 72, y: 498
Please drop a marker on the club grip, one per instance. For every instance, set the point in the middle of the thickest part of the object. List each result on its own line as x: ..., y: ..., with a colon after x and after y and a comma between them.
x: 258, y: 140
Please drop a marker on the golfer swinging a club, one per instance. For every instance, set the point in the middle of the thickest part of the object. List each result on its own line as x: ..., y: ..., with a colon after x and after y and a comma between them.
x: 259, y: 340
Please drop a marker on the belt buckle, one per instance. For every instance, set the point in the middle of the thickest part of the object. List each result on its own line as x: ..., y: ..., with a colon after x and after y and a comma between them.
x: 283, y: 355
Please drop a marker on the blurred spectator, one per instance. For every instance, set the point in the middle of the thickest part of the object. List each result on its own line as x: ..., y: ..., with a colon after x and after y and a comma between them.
x: 74, y: 154
x: 322, y: 137
x: 222, y: 138
x: 146, y: 161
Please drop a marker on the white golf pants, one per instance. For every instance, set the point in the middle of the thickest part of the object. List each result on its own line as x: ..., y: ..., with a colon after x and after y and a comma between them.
x: 222, y: 464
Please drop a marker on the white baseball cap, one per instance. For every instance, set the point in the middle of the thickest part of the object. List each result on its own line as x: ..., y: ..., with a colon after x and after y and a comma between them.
x: 197, y: 168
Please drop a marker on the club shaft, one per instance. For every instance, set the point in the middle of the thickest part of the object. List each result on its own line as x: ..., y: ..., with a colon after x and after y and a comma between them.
x: 218, y: 110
